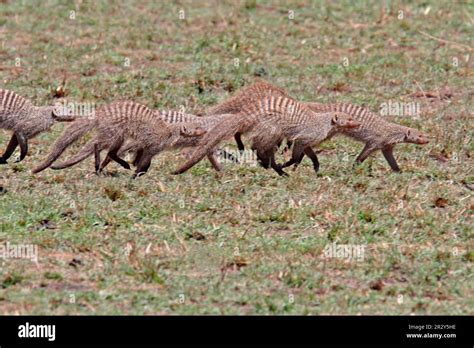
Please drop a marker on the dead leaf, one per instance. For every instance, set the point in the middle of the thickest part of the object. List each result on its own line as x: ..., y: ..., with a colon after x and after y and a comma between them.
x: 440, y: 202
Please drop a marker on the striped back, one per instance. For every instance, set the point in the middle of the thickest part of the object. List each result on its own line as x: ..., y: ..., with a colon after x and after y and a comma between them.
x: 245, y: 96
x: 367, y: 118
x: 10, y: 101
x: 285, y: 109
x: 171, y: 116
x: 127, y: 111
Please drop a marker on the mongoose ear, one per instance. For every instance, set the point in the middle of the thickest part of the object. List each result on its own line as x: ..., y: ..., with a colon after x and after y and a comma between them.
x: 183, y: 130
x: 335, y: 119
x: 407, y: 134
x: 57, y: 110
x: 199, y: 131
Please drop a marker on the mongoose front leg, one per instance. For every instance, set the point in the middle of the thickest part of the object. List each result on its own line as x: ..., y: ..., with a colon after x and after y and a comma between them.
x: 276, y: 167
x: 289, y: 144
x: 296, y: 156
x: 229, y: 156
x: 113, y: 155
x: 368, y: 149
x: 312, y: 156
x: 97, y: 158
x: 238, y: 140
x: 143, y: 165
x: 388, y: 154
x: 263, y: 159
x: 138, y: 156
x: 215, y: 163
x: 23, y: 142
x: 9, y: 150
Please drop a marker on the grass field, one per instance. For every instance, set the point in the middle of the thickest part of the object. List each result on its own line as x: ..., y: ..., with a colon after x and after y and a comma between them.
x: 247, y: 241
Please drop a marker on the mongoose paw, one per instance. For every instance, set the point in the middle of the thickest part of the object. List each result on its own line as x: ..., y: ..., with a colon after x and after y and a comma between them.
x: 137, y: 175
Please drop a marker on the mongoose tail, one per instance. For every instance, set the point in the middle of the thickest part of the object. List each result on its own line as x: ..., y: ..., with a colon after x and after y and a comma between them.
x: 226, y: 128
x: 85, y: 152
x: 70, y: 135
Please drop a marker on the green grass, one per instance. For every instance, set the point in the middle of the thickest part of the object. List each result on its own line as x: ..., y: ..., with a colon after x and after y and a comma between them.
x: 247, y: 242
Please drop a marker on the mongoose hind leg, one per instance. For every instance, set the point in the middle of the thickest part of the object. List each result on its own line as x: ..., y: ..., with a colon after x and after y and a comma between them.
x: 238, y: 140
x: 308, y: 151
x: 366, y: 152
x: 388, y: 154
x: 23, y: 142
x: 9, y: 150
x: 229, y: 156
x: 113, y: 155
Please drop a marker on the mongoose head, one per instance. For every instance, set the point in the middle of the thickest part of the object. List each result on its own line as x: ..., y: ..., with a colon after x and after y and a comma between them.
x: 188, y: 130
x: 415, y: 137
x: 343, y: 120
x: 60, y: 113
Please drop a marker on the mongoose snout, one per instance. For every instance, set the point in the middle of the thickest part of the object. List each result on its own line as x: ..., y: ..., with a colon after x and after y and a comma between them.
x: 351, y: 123
x: 195, y: 132
x: 415, y: 137
x: 344, y: 120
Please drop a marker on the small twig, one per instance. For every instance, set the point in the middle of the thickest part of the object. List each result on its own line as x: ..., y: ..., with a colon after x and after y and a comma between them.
x: 466, y: 47
x: 422, y: 91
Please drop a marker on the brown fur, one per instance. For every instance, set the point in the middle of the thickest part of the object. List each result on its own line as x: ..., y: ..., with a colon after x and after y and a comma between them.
x: 115, y: 124
x: 270, y: 120
x: 374, y: 131
x: 25, y: 120
x: 174, y: 118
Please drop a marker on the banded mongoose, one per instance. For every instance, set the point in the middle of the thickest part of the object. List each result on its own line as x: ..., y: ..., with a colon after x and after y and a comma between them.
x: 115, y: 124
x: 270, y: 120
x: 25, y: 120
x: 376, y: 132
x: 177, y: 117
x: 243, y: 97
